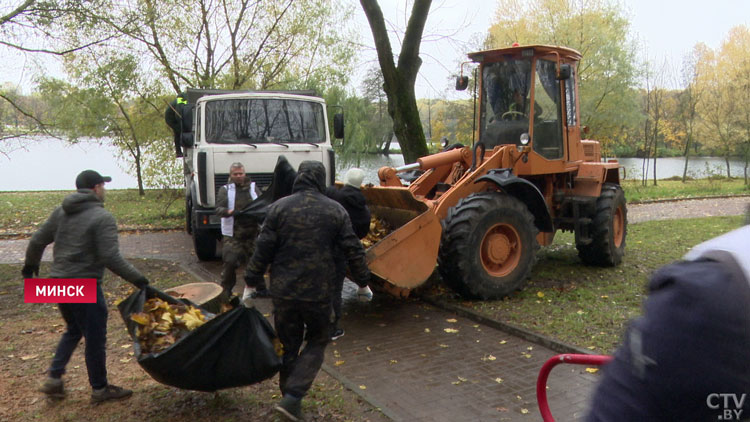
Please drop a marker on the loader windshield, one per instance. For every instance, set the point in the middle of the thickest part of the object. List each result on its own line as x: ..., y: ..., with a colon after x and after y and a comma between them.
x: 506, y: 104
x: 264, y: 120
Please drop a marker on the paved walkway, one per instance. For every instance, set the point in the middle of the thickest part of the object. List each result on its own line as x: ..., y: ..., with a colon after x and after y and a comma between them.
x: 421, y: 363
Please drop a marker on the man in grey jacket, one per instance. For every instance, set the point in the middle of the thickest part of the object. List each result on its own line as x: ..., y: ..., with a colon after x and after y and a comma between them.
x: 85, y: 237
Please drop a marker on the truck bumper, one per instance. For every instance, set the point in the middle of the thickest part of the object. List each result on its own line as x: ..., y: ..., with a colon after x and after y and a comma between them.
x: 207, y: 220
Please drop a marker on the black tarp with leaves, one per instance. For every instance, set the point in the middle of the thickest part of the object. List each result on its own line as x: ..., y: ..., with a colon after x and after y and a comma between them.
x: 233, y: 349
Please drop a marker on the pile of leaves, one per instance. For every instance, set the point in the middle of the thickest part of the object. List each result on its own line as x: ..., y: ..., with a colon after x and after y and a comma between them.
x: 378, y: 230
x: 161, y: 324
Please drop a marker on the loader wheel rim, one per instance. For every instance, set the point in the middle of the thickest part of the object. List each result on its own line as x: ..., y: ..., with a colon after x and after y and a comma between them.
x: 500, y: 250
x: 618, y: 227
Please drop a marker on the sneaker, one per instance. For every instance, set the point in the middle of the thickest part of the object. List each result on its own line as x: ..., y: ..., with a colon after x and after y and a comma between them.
x: 290, y: 408
x: 53, y: 388
x: 110, y: 392
x: 337, y: 334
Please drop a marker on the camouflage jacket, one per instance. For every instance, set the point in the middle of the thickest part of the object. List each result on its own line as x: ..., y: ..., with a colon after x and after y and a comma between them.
x: 242, y: 198
x: 298, y: 239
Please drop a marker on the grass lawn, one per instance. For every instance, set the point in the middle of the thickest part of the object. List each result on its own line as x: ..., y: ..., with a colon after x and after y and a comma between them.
x: 672, y: 189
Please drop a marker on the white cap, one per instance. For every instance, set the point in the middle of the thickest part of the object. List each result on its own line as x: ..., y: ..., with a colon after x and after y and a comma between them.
x: 354, y: 177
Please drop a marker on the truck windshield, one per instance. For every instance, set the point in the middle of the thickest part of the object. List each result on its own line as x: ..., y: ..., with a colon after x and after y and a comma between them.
x: 505, y: 101
x: 257, y: 121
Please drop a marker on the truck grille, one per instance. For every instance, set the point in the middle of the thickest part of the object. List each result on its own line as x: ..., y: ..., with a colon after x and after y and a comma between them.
x: 262, y: 179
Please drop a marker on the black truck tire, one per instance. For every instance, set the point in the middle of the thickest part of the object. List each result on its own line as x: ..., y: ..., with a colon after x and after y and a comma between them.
x: 488, y: 245
x: 609, y: 228
x: 204, y: 241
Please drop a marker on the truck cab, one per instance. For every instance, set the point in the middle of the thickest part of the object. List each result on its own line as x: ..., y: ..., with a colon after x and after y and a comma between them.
x: 253, y: 128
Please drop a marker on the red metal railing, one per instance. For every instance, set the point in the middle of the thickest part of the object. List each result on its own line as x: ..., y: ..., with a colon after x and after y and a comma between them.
x: 541, y: 381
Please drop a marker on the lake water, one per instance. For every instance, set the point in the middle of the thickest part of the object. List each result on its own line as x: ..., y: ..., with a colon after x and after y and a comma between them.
x: 52, y: 164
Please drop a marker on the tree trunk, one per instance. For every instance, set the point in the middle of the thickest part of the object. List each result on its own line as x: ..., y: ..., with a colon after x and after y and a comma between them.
x: 726, y: 160
x: 399, y: 80
x: 687, y: 158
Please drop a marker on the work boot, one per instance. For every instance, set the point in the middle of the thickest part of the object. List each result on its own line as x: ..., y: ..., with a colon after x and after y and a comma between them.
x: 291, y: 408
x: 110, y: 392
x: 53, y: 388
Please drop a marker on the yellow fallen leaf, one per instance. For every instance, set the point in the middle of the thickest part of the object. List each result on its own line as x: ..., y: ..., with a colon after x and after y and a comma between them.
x: 29, y: 357
x: 444, y: 346
x: 451, y: 320
x: 527, y: 355
x: 141, y: 318
x: 488, y: 358
x: 540, y: 294
x: 339, y: 362
x: 499, y: 380
x: 338, y: 355
x: 475, y: 325
x: 524, y: 411
x: 503, y: 341
x: 363, y: 387
x: 125, y: 360
x: 592, y: 370
x: 426, y: 330
x: 580, y: 312
x: 368, y: 349
x: 450, y: 330
x: 393, y: 361
x: 125, y: 346
x: 591, y: 347
x: 530, y: 348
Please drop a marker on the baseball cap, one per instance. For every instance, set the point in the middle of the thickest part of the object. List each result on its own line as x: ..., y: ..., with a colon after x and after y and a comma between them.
x: 87, y: 179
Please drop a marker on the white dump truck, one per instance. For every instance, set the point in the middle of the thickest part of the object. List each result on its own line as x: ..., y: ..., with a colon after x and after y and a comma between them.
x: 215, y: 128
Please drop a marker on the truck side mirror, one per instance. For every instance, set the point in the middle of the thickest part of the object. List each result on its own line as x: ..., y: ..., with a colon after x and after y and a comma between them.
x: 338, y: 125
x: 462, y: 82
x: 563, y: 73
x: 187, y: 139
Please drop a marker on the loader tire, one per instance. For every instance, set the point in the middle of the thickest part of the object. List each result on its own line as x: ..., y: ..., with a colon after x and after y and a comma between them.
x: 608, y: 231
x: 488, y: 245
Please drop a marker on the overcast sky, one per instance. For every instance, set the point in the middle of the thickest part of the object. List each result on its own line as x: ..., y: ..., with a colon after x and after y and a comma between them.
x: 664, y: 28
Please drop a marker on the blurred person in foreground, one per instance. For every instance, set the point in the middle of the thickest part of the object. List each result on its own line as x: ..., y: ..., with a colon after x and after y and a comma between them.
x: 298, y: 240
x: 688, y: 357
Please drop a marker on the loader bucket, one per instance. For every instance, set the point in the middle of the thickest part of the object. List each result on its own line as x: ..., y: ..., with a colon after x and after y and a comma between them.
x: 406, y: 257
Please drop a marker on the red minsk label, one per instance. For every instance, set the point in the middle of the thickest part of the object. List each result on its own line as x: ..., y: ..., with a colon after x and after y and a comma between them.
x: 59, y: 290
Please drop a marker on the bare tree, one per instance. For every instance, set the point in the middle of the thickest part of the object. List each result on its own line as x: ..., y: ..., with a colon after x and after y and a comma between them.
x: 399, y: 79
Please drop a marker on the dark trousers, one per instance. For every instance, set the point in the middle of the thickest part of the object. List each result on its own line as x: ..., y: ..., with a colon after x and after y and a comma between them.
x: 87, y: 320
x: 235, y: 253
x: 299, y: 368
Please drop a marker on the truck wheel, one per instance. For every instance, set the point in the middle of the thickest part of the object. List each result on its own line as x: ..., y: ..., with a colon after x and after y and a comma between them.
x: 204, y: 242
x: 488, y: 245
x: 608, y: 229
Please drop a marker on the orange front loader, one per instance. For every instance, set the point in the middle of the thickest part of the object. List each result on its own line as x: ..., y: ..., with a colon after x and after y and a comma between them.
x: 481, y: 213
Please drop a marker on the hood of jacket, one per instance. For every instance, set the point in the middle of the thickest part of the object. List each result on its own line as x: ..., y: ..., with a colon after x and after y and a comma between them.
x: 80, y: 201
x: 311, y: 175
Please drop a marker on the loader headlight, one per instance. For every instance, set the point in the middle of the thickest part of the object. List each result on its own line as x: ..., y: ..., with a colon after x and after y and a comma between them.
x: 525, y: 139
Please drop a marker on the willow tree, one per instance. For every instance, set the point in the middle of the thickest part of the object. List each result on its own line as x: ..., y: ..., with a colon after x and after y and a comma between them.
x: 400, y: 76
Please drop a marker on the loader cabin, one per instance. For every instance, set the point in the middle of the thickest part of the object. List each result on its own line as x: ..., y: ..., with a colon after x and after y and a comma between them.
x: 528, y: 96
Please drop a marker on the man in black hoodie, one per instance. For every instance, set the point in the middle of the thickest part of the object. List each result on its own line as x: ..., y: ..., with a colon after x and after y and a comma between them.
x: 351, y: 198
x: 298, y: 239
x: 85, y: 237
